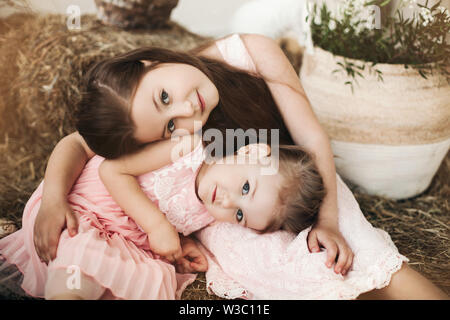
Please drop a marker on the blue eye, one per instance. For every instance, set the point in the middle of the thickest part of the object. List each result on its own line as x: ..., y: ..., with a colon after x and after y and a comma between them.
x: 171, y: 126
x: 239, y: 215
x: 165, y: 97
x: 245, y: 188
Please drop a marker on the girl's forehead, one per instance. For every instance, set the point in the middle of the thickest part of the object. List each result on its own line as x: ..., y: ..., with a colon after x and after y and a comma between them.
x: 157, y: 73
x: 157, y: 68
x: 263, y: 166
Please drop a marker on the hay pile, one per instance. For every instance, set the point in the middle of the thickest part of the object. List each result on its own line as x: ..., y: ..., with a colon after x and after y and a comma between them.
x: 419, y: 227
x: 41, y: 64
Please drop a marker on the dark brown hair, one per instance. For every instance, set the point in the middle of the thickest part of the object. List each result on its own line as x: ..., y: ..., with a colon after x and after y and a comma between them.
x: 301, y: 193
x: 104, y: 117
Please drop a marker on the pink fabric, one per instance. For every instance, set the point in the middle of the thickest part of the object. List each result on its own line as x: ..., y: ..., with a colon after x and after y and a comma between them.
x: 110, y: 246
x: 244, y: 264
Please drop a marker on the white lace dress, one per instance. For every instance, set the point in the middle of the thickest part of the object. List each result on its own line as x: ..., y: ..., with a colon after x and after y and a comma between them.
x: 244, y: 264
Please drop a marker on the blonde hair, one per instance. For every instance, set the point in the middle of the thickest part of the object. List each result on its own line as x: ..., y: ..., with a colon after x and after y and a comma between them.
x: 301, y: 193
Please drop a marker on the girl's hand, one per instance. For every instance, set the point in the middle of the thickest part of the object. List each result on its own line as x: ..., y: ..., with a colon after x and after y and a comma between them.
x: 192, y: 260
x: 52, y: 218
x: 165, y: 241
x: 328, y: 235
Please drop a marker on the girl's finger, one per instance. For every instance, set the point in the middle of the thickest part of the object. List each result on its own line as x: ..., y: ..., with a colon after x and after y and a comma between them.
x: 342, y: 260
x: 72, y: 223
x: 196, y: 255
x: 349, y: 263
x: 38, y: 251
x: 42, y: 247
x: 201, y: 261
x: 45, y: 256
x: 52, y: 244
x: 332, y: 251
x: 313, y: 244
x: 201, y: 267
x: 184, y: 264
x: 37, y: 241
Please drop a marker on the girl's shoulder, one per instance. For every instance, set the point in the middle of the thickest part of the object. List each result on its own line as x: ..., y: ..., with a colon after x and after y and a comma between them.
x: 255, y: 53
x: 232, y: 50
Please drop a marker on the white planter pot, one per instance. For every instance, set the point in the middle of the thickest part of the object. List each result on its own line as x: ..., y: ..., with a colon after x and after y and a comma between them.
x: 389, y: 137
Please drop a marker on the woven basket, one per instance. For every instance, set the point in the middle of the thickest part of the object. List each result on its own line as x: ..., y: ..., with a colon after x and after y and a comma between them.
x: 389, y: 137
x: 129, y: 14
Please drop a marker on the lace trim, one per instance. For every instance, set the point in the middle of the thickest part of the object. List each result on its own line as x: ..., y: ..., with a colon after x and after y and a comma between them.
x: 172, y: 188
x: 377, y: 277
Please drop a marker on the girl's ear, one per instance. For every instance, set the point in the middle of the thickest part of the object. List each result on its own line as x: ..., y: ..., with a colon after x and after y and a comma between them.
x: 146, y: 62
x: 258, y: 150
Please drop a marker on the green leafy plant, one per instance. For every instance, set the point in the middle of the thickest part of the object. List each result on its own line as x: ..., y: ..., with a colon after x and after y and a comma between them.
x: 418, y: 42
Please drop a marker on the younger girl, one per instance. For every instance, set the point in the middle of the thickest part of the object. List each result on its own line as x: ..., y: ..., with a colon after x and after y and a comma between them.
x: 111, y: 257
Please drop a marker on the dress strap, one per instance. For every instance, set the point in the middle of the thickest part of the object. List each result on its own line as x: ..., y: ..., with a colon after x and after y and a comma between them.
x: 235, y: 53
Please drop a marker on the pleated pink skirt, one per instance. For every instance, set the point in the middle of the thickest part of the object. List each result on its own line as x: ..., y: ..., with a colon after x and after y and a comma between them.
x: 109, y: 247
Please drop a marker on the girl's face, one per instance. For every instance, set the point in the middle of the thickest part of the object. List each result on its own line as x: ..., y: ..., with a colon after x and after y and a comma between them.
x: 239, y: 193
x: 171, y: 97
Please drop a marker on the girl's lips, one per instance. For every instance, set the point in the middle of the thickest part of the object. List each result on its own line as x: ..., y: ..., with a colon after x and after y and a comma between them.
x: 201, y: 101
x: 214, y: 195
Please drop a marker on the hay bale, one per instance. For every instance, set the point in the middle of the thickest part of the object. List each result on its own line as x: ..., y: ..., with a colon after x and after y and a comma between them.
x: 134, y: 14
x: 41, y: 64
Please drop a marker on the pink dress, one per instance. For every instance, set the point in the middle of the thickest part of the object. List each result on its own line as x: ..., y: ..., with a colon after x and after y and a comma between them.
x: 110, y: 246
x: 244, y: 264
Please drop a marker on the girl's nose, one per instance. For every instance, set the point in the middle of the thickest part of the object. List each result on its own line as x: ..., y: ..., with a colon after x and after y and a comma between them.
x: 185, y: 109
x: 227, y: 202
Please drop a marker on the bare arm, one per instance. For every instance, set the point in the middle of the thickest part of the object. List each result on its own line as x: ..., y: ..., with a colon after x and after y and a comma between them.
x: 64, y: 166
x: 286, y: 89
x: 296, y: 111
x: 120, y: 178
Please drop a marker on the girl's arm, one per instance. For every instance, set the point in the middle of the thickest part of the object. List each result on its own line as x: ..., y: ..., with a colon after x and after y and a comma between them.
x: 64, y: 166
x: 120, y: 178
x: 302, y: 123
